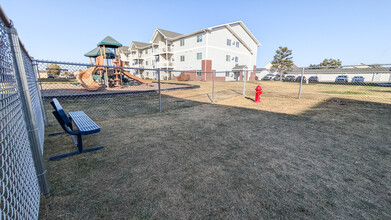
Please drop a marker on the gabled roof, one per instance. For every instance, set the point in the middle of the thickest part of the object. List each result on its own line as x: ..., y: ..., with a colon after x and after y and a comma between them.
x: 124, y: 49
x: 239, y: 67
x: 109, y: 42
x: 139, y: 45
x: 169, y: 34
x: 243, y: 26
x: 166, y: 34
x: 176, y: 36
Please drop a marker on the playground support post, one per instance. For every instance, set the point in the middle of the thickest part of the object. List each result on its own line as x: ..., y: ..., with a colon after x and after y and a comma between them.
x: 160, y: 94
x: 213, y: 87
x: 27, y: 108
x: 301, y: 82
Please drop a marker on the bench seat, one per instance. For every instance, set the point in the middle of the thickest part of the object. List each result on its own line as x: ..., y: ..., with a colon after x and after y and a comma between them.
x: 84, y: 123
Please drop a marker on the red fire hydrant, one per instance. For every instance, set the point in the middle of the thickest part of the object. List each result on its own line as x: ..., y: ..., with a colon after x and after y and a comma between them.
x: 258, y: 94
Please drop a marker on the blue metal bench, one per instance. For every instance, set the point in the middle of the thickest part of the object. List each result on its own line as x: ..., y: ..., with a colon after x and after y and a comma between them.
x: 85, y: 125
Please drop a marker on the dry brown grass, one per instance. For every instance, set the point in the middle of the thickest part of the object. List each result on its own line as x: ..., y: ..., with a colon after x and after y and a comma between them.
x: 326, y: 157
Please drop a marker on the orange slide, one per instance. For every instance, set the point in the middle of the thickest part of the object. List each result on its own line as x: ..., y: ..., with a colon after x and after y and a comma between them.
x: 135, y: 77
x: 86, y: 80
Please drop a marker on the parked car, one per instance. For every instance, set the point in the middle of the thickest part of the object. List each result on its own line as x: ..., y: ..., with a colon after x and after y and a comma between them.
x: 298, y: 79
x: 289, y: 78
x: 358, y: 79
x: 50, y: 76
x: 313, y: 79
x: 62, y: 76
x: 342, y: 78
x: 71, y: 76
x: 277, y: 77
x: 268, y: 77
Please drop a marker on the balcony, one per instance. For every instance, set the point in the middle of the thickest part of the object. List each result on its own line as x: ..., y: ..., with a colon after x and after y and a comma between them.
x: 166, y: 65
x: 163, y: 51
x: 137, y: 57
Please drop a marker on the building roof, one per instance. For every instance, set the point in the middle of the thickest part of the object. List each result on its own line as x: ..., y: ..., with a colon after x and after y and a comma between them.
x: 96, y: 52
x: 169, y: 34
x: 124, y: 49
x: 140, y: 44
x: 109, y: 42
x: 239, y: 67
x: 242, y: 25
x: 175, y: 36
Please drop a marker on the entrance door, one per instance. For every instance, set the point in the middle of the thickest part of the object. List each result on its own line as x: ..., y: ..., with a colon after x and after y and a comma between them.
x: 237, y: 76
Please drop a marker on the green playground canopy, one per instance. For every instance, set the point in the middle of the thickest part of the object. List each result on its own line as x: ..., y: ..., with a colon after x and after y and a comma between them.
x: 96, y: 52
x: 109, y: 42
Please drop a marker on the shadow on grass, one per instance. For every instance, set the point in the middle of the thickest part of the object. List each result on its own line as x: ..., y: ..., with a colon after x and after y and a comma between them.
x: 251, y: 99
x: 198, y: 160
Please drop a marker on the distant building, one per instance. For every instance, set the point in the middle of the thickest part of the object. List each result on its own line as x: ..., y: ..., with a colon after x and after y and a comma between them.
x: 228, y: 47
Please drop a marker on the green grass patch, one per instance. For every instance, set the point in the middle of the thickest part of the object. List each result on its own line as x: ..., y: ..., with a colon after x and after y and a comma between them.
x: 344, y: 92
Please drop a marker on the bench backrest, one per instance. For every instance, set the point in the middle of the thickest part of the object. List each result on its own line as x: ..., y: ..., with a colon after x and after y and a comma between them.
x: 63, y: 115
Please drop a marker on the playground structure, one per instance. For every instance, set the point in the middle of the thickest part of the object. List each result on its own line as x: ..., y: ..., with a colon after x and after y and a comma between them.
x: 96, y: 78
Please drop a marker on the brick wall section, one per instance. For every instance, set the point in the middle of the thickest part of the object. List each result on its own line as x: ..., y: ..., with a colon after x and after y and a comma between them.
x: 252, y: 75
x: 206, y: 66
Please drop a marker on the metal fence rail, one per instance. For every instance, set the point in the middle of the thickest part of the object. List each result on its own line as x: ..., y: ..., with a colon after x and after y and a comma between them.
x: 23, y: 173
x: 36, y: 99
x: 19, y: 188
x: 120, y: 96
x: 102, y: 92
x: 358, y: 82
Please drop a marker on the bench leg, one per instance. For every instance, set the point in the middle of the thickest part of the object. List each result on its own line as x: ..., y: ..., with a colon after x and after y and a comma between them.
x: 80, y: 149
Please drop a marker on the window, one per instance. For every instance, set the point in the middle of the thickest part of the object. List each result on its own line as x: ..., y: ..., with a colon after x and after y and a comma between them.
x: 237, y: 44
x: 182, y: 58
x: 229, y: 42
x: 199, y: 73
x: 199, y: 56
x: 227, y: 74
x: 228, y: 58
x: 182, y: 43
x: 146, y: 51
x: 146, y: 62
x: 199, y: 38
x: 236, y: 59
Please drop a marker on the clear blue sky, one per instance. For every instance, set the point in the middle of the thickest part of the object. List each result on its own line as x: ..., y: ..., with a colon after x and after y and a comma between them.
x: 353, y: 31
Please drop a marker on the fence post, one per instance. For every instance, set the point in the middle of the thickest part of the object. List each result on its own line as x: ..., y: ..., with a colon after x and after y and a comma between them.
x: 244, y: 82
x: 39, y: 88
x: 160, y: 93
x: 301, y: 82
x: 213, y: 86
x: 27, y: 108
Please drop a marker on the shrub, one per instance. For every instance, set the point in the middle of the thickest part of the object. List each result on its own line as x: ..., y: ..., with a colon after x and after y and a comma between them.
x: 184, y: 77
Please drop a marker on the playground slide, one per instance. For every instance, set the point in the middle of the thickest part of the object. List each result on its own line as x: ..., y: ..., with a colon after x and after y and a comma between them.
x: 86, y: 80
x: 136, y: 78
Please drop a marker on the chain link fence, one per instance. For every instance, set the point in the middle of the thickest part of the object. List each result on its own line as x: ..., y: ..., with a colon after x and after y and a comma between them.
x: 359, y: 82
x: 103, y: 92
x: 23, y: 175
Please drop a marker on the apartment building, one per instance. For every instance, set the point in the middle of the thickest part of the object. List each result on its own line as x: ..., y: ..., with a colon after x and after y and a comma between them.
x: 230, y: 48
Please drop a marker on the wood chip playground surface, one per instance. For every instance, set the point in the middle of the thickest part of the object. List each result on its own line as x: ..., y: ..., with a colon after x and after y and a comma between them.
x: 69, y: 89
